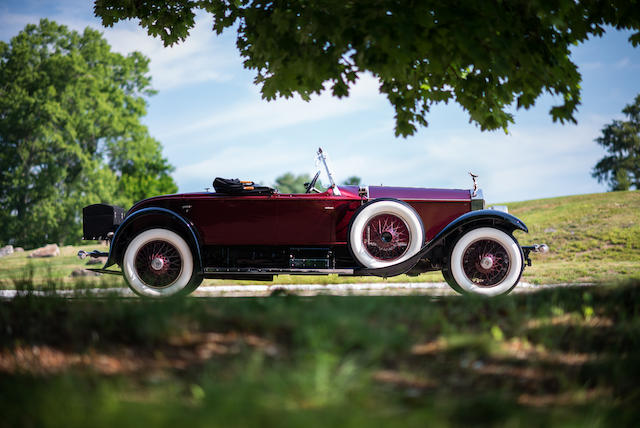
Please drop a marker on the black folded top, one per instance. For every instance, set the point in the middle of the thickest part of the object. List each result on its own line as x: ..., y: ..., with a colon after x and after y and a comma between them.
x: 233, y: 186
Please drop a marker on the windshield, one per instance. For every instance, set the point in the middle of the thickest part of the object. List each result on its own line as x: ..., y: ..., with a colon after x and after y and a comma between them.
x: 322, y: 159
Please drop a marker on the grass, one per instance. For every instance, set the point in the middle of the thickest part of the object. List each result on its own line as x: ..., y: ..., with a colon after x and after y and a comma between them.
x: 593, y: 238
x: 561, y: 357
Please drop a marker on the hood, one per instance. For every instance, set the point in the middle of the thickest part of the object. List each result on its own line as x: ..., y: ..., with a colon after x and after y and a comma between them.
x: 419, y: 194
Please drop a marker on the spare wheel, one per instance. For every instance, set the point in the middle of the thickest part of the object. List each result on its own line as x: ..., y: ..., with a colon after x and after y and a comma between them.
x: 385, y: 232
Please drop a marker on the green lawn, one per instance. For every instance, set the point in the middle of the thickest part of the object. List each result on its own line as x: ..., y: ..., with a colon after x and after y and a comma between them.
x: 593, y: 238
x: 562, y: 357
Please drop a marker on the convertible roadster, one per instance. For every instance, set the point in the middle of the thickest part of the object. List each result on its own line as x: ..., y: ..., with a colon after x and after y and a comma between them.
x: 166, y: 245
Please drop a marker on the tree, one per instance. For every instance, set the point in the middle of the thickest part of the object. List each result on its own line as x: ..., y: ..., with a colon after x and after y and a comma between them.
x: 354, y: 180
x: 485, y: 55
x: 70, y: 132
x: 290, y: 183
x: 621, y: 167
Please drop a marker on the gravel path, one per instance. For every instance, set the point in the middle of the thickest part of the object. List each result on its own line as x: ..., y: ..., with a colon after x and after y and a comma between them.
x: 361, y: 289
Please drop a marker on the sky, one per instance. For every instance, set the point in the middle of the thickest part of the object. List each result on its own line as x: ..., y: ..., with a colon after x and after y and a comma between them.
x: 212, y: 121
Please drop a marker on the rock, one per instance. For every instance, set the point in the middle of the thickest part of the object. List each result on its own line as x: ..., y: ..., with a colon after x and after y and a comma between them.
x: 6, y: 250
x: 18, y: 250
x: 83, y: 272
x: 51, y: 250
x: 97, y: 261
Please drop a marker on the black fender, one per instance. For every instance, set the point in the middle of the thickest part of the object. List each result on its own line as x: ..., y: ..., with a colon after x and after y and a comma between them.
x: 470, y: 220
x: 155, y: 217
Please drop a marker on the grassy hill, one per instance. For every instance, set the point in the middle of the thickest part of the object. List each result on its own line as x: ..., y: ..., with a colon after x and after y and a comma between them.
x: 592, y: 238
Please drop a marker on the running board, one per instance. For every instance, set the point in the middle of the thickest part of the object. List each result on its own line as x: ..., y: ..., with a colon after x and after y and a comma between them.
x: 275, y: 271
x: 107, y: 271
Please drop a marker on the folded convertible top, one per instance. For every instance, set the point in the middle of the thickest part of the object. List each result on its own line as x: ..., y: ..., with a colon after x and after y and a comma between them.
x: 233, y: 186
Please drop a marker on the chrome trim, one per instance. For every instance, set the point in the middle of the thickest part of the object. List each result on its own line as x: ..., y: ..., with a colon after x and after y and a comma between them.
x: 276, y: 271
x: 434, y: 200
x: 477, y: 199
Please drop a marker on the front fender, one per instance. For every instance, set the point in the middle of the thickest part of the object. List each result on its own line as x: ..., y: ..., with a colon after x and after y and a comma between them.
x: 147, y: 218
x: 470, y: 220
x: 493, y: 218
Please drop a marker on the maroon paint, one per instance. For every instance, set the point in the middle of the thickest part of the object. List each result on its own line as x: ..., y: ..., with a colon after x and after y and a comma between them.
x: 301, y: 219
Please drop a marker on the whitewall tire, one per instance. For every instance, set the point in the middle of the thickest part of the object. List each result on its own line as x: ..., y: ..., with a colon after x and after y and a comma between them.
x: 485, y: 261
x: 384, y: 233
x: 159, y: 263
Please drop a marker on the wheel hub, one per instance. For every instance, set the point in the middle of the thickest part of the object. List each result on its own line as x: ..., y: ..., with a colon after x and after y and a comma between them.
x: 386, y: 237
x: 157, y: 263
x: 486, y: 262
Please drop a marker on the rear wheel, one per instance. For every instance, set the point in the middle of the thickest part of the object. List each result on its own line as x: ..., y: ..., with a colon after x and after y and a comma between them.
x: 484, y: 261
x: 159, y: 263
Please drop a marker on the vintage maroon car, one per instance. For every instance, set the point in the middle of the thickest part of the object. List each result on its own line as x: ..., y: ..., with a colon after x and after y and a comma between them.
x: 166, y: 245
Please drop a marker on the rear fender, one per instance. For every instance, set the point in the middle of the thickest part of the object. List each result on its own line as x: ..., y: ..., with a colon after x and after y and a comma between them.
x: 149, y: 218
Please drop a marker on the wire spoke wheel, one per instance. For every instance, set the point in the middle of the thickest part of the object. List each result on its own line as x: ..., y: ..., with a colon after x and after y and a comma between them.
x: 158, y: 263
x: 485, y: 262
x: 384, y: 232
x: 386, y: 237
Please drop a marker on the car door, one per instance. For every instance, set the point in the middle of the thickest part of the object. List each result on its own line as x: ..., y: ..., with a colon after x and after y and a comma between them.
x: 306, y: 219
x: 237, y: 220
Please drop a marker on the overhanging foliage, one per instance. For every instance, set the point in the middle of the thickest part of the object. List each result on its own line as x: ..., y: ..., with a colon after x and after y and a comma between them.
x: 484, y: 55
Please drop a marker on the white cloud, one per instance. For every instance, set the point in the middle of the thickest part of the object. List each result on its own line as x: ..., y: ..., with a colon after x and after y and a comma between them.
x: 624, y: 62
x: 203, y: 57
x: 258, y: 116
x: 528, y: 163
x: 531, y: 162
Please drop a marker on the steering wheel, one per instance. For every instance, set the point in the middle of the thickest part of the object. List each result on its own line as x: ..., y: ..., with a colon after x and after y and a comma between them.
x: 311, y: 186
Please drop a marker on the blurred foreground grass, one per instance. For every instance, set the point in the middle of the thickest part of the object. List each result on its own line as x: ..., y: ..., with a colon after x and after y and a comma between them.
x: 593, y: 238
x: 562, y: 357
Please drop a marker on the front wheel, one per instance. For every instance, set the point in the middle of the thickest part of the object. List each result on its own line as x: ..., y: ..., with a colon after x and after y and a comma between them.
x: 484, y: 261
x: 159, y: 263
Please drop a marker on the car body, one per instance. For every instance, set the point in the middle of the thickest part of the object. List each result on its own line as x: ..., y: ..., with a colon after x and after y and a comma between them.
x: 167, y: 245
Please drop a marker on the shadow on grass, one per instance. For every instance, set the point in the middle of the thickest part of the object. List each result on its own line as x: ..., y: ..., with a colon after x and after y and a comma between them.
x: 563, y: 356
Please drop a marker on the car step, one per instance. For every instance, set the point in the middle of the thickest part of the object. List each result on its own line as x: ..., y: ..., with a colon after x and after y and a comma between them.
x: 276, y: 271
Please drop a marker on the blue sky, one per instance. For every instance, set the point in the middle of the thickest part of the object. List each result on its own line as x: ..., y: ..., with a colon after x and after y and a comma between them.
x: 212, y: 121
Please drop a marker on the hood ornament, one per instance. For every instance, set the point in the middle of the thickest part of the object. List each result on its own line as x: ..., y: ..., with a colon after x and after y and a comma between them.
x: 475, y: 184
